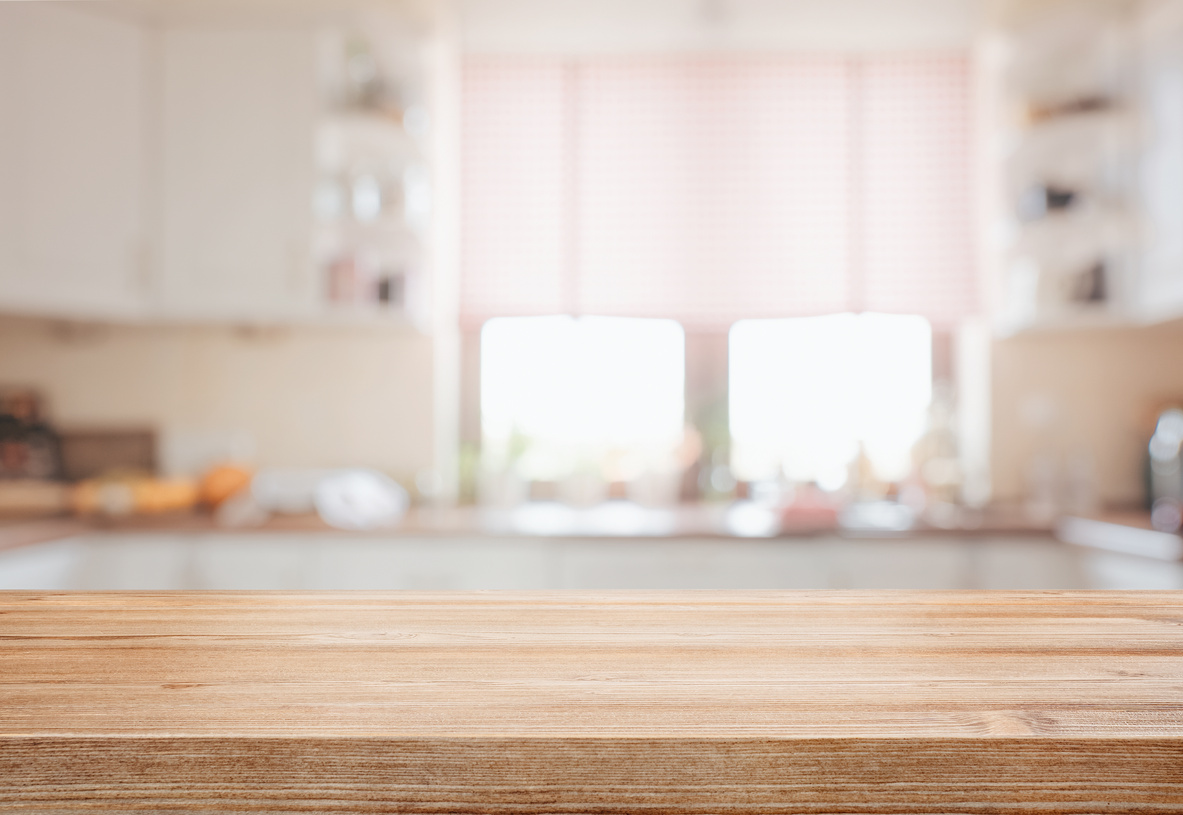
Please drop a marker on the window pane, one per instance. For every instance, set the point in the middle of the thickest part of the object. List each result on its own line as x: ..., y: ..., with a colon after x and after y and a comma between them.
x: 806, y: 393
x: 558, y: 393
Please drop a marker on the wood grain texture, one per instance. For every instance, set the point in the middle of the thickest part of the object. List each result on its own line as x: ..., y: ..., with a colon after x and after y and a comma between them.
x: 754, y: 702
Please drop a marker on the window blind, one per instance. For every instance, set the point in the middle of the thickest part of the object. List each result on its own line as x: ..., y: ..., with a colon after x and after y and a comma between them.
x: 916, y: 199
x: 710, y: 190
x: 513, y: 194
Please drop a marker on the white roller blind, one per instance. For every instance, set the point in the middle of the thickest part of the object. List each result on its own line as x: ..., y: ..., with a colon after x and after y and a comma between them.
x: 513, y: 216
x: 710, y: 190
x: 916, y: 200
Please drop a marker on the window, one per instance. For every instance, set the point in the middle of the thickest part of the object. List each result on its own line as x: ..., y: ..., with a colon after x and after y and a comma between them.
x: 806, y: 393
x: 561, y: 395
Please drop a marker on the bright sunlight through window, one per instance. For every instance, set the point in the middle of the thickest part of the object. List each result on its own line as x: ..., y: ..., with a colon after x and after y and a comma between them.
x: 562, y: 392
x: 806, y: 393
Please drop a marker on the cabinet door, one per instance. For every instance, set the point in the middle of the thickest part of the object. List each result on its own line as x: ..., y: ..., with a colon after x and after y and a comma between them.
x: 1160, y: 288
x: 71, y: 162
x: 239, y: 111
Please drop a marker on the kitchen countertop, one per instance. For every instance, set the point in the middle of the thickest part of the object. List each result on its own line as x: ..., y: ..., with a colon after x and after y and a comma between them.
x: 613, y: 519
x: 570, y: 702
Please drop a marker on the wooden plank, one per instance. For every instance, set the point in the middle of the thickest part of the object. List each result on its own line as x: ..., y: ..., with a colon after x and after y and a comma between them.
x: 696, y: 702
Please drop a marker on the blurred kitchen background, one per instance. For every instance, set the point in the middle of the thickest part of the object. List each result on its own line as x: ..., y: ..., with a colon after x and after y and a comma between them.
x: 591, y: 293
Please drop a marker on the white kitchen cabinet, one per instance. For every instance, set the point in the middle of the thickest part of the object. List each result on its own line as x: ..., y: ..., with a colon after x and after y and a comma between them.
x: 72, y: 139
x: 167, y: 169
x: 239, y: 119
x: 1160, y: 285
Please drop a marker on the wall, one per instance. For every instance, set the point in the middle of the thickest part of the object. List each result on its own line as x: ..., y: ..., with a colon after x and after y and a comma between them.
x: 1090, y: 395
x: 335, y: 396
x: 630, y: 26
x: 306, y: 396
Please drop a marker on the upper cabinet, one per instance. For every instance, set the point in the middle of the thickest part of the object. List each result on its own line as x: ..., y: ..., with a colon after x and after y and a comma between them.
x: 295, y: 177
x: 72, y: 173
x: 171, y: 170
x: 239, y: 112
x: 1160, y: 292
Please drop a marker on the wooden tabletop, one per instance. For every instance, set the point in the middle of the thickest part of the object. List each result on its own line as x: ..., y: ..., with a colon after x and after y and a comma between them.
x: 571, y: 702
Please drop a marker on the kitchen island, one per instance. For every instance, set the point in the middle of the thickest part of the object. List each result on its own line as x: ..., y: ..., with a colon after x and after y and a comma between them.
x: 571, y: 702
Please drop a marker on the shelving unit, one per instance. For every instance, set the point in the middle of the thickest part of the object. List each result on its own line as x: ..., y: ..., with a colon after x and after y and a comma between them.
x: 1065, y: 134
x: 1083, y: 151
x: 373, y: 194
